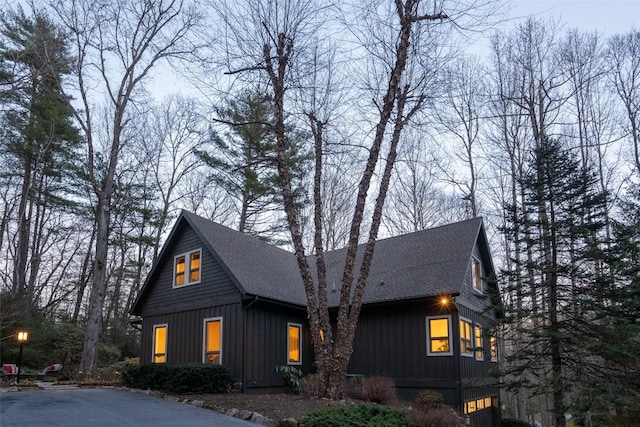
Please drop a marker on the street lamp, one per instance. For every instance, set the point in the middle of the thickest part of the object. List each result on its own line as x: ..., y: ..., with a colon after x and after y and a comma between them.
x: 23, y: 336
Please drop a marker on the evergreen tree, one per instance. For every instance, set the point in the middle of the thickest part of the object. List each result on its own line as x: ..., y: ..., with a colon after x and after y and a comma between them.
x: 244, y: 163
x: 40, y: 139
x: 560, y: 227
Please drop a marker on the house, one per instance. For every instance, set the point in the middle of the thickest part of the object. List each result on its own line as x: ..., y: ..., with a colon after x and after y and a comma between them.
x: 216, y: 295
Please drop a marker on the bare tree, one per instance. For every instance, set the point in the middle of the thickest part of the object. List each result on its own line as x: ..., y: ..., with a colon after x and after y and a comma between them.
x: 272, y: 48
x: 624, y: 57
x: 418, y: 200
x: 463, y: 103
x: 117, y: 44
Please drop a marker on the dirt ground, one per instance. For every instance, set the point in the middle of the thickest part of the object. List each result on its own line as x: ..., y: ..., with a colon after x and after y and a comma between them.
x: 273, y: 406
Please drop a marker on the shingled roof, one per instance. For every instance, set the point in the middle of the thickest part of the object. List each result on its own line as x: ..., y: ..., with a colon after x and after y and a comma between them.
x: 416, y: 265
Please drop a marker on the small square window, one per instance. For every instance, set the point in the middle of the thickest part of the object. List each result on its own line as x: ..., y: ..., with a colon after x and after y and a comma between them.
x: 439, y: 336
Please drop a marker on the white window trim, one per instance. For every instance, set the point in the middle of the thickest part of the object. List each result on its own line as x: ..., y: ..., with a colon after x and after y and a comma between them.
x: 449, y: 323
x: 472, y: 338
x: 204, y: 336
x: 475, y: 344
x: 475, y: 259
x: 187, y: 265
x: 299, y: 325
x: 153, y: 342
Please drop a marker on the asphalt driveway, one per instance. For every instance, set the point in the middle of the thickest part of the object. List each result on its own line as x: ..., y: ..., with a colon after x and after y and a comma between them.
x: 103, y: 408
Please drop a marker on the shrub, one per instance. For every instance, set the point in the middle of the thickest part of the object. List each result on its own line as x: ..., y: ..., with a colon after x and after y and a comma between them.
x: 292, y: 377
x: 357, y: 416
x: 177, y: 378
x: 429, y: 399
x: 379, y: 390
x: 513, y: 422
x: 436, y: 416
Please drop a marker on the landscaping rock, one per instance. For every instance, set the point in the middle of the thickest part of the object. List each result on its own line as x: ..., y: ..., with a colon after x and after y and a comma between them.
x: 244, y: 414
x: 197, y: 403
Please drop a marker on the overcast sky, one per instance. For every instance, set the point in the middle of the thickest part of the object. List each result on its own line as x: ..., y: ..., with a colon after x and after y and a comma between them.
x: 606, y: 16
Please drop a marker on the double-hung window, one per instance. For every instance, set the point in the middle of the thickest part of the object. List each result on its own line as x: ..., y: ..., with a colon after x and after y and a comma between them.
x: 439, y: 336
x: 187, y: 268
x: 294, y: 344
x: 477, y: 333
x: 159, y: 343
x: 213, y: 341
x: 465, y: 338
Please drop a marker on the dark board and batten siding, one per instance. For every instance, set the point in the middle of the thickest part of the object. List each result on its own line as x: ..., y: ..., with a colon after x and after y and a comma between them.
x: 266, y: 344
x: 391, y: 341
x: 185, y: 336
x: 215, y: 287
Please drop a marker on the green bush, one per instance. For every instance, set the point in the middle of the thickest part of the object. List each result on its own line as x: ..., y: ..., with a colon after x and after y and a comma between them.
x: 292, y: 377
x: 357, y: 416
x: 512, y: 422
x: 177, y: 378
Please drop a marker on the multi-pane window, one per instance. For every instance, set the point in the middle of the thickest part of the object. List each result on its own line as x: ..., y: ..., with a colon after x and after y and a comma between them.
x: 213, y: 341
x: 474, y: 405
x: 477, y: 332
x: 294, y: 343
x: 159, y: 344
x: 439, y: 336
x: 187, y: 269
x: 465, y: 338
x: 494, y: 347
x: 476, y: 274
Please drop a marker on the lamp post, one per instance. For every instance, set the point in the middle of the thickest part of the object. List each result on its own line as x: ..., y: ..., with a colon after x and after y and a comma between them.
x: 23, y: 336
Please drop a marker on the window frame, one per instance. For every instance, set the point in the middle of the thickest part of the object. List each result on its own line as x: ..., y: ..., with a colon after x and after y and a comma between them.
x: 469, y: 352
x: 478, y: 341
x: 477, y: 284
x: 204, y: 337
x: 430, y: 338
x: 289, y: 360
x: 187, y: 269
x: 153, y: 342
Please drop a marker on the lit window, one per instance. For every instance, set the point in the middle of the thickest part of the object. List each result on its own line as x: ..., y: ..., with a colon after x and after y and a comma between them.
x: 487, y: 402
x: 471, y: 406
x: 438, y: 336
x: 187, y: 274
x: 159, y: 343
x: 476, y: 274
x: 294, y: 344
x: 213, y: 341
x: 494, y: 347
x: 465, y: 338
x: 194, y: 267
x: 477, y: 331
x: 480, y: 404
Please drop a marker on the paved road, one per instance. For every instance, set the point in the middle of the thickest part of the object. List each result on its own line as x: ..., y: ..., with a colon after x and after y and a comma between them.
x: 103, y: 408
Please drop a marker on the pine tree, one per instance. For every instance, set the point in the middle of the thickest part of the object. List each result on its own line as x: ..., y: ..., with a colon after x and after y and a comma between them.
x: 563, y: 216
x: 41, y: 140
x: 244, y: 163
